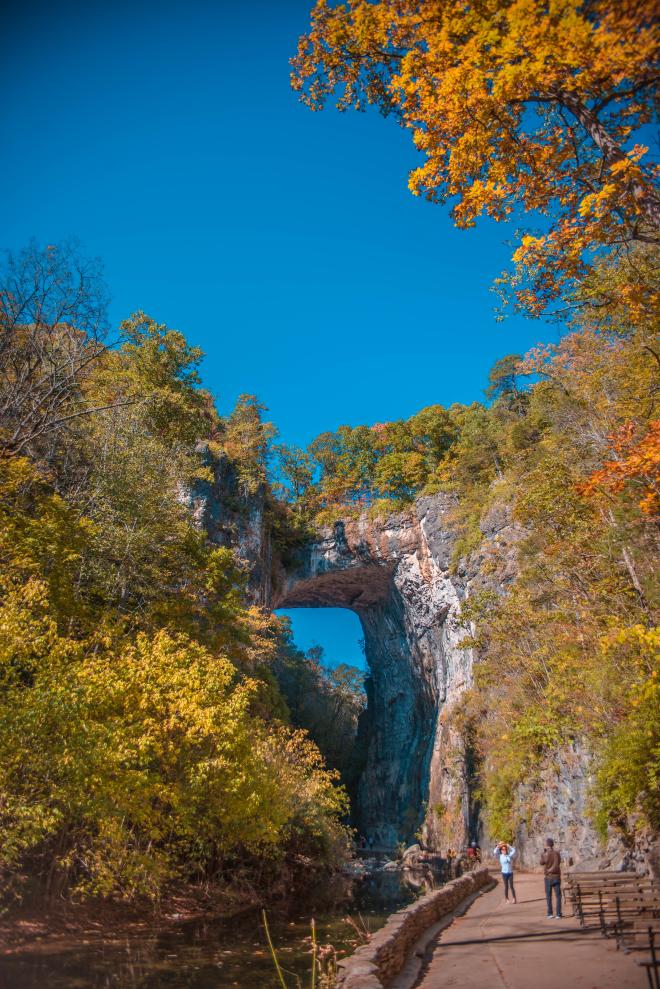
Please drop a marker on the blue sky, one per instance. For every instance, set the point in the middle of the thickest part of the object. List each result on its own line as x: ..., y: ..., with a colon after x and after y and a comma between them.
x: 283, y: 242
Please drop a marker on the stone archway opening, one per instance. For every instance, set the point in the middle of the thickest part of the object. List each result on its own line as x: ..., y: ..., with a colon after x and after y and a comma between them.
x: 337, y: 630
x: 323, y: 682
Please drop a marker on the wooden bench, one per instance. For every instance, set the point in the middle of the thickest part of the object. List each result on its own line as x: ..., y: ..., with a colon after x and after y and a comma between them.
x: 651, y: 964
x: 594, y: 896
x: 626, y: 907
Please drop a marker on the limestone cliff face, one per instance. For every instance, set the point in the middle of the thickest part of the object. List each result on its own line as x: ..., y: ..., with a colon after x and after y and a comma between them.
x: 239, y: 521
x: 394, y: 573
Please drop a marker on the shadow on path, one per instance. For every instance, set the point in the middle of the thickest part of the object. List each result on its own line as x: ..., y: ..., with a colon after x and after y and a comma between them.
x: 496, y: 945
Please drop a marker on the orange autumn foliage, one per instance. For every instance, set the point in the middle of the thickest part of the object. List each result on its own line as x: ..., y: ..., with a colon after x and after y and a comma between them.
x: 531, y: 106
x: 637, y: 463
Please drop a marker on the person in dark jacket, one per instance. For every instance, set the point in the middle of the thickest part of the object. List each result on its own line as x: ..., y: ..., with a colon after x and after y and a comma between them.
x: 551, y: 862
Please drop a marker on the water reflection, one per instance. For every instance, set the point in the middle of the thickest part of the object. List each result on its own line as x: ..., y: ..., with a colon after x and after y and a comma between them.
x: 214, y: 954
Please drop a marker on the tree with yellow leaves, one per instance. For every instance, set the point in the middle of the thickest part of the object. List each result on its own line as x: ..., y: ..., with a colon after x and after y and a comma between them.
x: 143, y: 739
x: 519, y: 106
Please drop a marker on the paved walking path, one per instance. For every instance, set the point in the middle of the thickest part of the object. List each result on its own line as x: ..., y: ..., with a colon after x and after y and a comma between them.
x: 571, y: 960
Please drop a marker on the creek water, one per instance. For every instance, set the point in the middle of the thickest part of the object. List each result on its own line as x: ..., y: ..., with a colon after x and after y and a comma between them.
x: 226, y: 954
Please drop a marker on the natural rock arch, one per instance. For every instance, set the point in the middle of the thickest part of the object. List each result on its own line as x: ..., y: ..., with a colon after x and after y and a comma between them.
x: 393, y: 574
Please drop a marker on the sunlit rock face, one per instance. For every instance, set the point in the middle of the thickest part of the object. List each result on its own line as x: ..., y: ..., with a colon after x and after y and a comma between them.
x: 394, y: 574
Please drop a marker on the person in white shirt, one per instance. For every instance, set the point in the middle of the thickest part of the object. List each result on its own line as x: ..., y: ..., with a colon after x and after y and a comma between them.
x: 505, y: 854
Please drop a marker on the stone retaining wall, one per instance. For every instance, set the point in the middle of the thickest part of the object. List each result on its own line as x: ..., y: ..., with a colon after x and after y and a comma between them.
x: 374, y: 965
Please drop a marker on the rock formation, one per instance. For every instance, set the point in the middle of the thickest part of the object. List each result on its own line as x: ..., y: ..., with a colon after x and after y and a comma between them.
x: 395, y: 574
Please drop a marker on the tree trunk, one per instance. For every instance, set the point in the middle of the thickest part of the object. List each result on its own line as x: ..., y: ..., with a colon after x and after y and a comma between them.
x: 630, y: 567
x: 612, y: 152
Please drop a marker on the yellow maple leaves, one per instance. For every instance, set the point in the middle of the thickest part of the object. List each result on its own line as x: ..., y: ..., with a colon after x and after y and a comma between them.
x: 522, y: 105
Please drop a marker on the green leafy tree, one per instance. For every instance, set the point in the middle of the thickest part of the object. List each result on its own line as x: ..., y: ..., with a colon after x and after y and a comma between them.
x: 327, y: 702
x: 247, y: 440
x: 297, y: 467
x: 504, y: 382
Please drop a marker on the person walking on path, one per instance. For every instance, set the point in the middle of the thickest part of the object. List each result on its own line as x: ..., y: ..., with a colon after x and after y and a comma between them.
x: 505, y: 854
x: 551, y: 862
